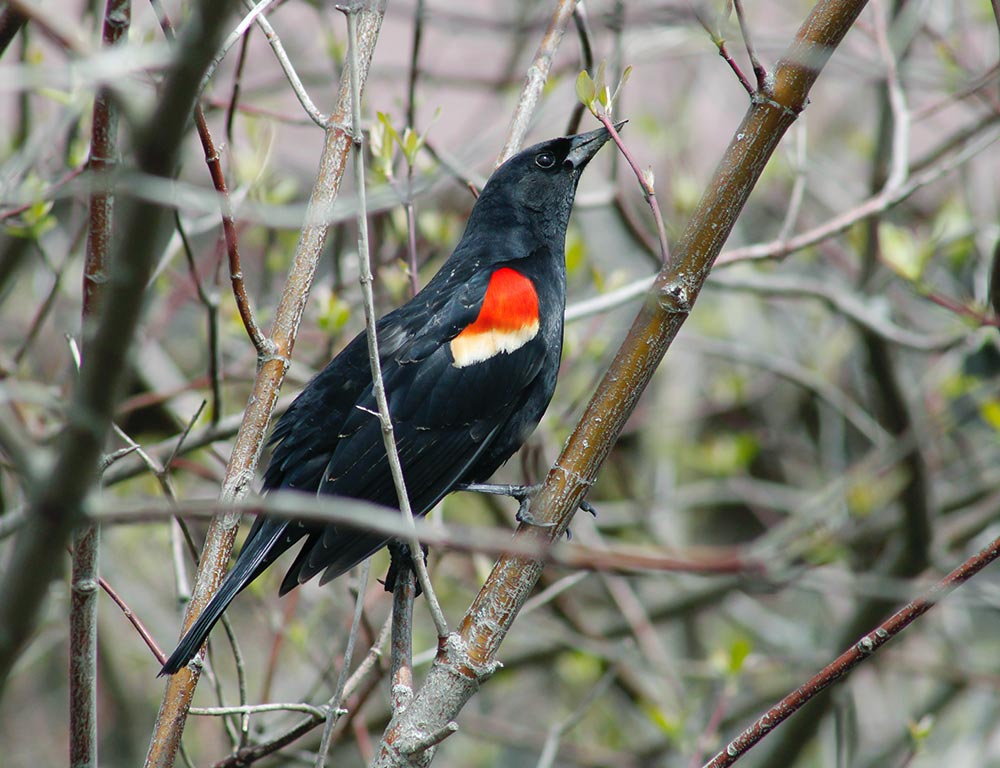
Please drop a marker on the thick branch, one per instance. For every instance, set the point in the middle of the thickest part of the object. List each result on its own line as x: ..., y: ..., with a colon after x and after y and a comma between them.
x: 470, y: 654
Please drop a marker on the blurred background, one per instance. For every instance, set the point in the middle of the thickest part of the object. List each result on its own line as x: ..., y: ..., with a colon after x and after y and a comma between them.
x: 828, y: 421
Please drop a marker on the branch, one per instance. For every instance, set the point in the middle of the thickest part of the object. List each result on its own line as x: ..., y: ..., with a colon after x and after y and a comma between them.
x: 263, y: 396
x: 214, y: 163
x: 853, y: 656
x: 56, y: 504
x: 538, y: 73
x: 368, y: 302
x: 469, y: 656
x: 87, y: 540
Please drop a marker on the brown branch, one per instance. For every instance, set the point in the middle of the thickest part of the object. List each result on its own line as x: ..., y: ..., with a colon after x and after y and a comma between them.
x: 538, y: 72
x: 720, y: 42
x: 470, y: 655
x: 270, y: 375
x: 363, y: 516
x: 87, y: 540
x: 401, y: 641
x: 853, y: 656
x: 135, y: 621
x: 758, y: 69
x: 214, y: 163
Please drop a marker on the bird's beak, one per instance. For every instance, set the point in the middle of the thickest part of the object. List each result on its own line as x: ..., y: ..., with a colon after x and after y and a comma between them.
x: 584, y: 146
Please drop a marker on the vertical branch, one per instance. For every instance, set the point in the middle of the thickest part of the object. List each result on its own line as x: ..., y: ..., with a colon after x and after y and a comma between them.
x: 83, y: 647
x: 586, y: 59
x: 334, y: 708
x: 172, y: 716
x: 87, y: 540
x: 411, y: 118
x: 411, y: 86
x: 368, y: 301
x: 401, y: 642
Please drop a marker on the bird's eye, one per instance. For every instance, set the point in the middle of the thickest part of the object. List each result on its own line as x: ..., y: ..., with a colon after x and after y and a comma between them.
x: 545, y: 160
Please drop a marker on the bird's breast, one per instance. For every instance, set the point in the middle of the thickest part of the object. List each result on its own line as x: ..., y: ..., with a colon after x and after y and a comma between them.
x: 507, y: 320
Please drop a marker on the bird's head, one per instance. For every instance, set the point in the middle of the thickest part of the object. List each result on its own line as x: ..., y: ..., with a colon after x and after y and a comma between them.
x: 541, y: 179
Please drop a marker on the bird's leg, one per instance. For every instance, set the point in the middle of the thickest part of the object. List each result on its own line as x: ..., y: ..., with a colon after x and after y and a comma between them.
x: 523, y: 494
x: 400, y: 561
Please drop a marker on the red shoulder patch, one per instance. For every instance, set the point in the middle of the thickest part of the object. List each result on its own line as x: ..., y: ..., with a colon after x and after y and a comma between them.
x: 510, y: 303
x: 507, y: 320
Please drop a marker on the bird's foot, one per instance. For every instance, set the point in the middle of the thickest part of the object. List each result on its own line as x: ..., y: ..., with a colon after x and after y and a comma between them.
x: 523, y: 494
x: 400, y: 561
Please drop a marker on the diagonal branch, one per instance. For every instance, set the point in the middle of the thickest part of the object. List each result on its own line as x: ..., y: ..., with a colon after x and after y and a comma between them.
x: 470, y: 654
x: 853, y: 656
x: 240, y: 471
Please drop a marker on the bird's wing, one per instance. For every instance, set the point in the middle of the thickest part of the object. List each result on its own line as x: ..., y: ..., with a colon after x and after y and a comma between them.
x: 444, y: 416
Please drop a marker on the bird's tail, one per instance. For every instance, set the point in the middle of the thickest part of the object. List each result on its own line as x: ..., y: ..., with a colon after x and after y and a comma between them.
x: 266, y: 542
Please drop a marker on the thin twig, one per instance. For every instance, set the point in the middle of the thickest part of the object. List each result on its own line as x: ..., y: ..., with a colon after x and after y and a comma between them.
x: 234, y: 95
x: 538, y: 73
x: 366, y: 673
x: 853, y: 656
x: 134, y: 620
x: 758, y: 69
x: 558, y: 730
x: 646, y: 184
x: 214, y: 162
x: 256, y: 15
x: 419, y: 14
x: 900, y: 156
x: 254, y: 709
x: 587, y: 60
x: 211, y: 303
x: 720, y: 43
x: 333, y: 709
x: 368, y: 301
x: 798, y: 193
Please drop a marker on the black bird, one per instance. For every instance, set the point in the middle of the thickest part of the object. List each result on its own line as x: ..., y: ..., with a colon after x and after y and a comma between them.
x: 469, y: 365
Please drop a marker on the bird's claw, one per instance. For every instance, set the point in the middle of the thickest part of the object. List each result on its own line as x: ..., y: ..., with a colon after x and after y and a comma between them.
x: 523, y: 494
x: 524, y: 515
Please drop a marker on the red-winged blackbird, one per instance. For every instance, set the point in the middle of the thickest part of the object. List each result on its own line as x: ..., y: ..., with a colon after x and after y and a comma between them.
x: 469, y: 365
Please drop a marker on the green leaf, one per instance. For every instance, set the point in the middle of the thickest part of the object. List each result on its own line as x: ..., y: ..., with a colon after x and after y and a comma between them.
x: 990, y: 411
x: 411, y: 145
x: 585, y: 90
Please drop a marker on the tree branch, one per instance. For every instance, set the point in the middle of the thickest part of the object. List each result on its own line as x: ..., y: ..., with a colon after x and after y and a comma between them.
x: 469, y: 656
x: 57, y: 502
x: 270, y: 375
